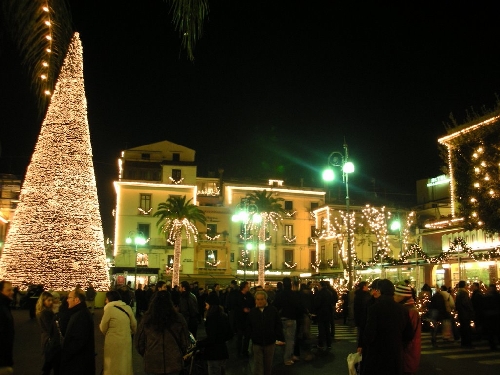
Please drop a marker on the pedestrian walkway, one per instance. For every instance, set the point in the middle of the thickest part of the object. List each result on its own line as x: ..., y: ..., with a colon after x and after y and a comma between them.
x: 480, y: 352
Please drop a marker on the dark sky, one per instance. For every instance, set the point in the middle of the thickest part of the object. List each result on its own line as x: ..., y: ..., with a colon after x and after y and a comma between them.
x: 275, y: 86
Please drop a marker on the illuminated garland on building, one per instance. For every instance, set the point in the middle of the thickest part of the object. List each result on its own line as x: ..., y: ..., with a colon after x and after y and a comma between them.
x: 56, y: 238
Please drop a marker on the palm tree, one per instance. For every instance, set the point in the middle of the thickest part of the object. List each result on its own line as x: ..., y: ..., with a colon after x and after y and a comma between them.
x: 271, y: 212
x: 177, y: 215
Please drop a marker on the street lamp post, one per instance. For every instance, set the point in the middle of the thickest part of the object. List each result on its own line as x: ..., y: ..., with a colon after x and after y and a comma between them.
x: 246, y: 214
x: 137, y: 238
x: 339, y: 159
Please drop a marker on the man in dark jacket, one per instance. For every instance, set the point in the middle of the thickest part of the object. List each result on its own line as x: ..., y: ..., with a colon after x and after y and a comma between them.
x: 78, y: 352
x: 188, y: 307
x: 6, y: 325
x: 465, y: 312
x: 290, y: 308
x: 264, y: 328
x: 323, y: 303
x: 387, y: 330
x: 361, y: 302
x: 243, y: 304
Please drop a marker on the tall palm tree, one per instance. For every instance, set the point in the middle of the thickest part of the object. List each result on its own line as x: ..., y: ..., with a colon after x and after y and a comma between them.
x: 271, y: 212
x: 178, y: 216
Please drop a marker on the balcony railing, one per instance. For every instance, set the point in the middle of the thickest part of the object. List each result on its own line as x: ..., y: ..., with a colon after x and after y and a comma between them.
x: 218, y: 266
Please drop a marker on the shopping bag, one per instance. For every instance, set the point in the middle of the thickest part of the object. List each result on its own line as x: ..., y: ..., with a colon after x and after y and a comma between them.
x: 352, y: 360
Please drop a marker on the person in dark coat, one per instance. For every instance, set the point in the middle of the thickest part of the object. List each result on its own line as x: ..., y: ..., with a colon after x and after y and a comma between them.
x: 323, y: 303
x: 265, y: 329
x: 218, y: 331
x: 188, y: 307
x: 291, y: 309
x: 6, y: 324
x: 244, y: 302
x: 78, y: 351
x: 465, y: 311
x: 387, y: 330
x: 491, y: 305
x: 476, y: 299
x: 438, y: 314
x: 361, y: 302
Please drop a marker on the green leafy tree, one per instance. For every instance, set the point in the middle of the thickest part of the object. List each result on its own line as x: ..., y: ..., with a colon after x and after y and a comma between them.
x: 176, y: 216
x: 271, y: 211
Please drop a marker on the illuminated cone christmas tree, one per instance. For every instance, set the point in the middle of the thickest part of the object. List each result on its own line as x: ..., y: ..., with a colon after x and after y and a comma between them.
x: 56, y: 237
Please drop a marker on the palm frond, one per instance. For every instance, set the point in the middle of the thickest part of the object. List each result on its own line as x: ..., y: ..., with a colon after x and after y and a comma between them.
x: 25, y: 23
x: 188, y: 17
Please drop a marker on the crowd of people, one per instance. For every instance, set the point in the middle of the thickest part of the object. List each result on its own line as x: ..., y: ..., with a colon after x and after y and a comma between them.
x: 466, y: 313
x: 164, y: 326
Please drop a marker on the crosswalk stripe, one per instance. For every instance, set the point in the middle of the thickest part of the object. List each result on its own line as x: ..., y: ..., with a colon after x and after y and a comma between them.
x: 490, y: 362
x: 472, y: 355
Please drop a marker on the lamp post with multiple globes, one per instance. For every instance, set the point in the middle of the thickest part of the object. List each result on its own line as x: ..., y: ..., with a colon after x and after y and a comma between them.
x: 339, y: 159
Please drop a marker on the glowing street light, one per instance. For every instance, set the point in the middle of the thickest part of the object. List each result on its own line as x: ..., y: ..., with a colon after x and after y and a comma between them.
x: 338, y: 159
x: 137, y: 238
x: 247, y: 214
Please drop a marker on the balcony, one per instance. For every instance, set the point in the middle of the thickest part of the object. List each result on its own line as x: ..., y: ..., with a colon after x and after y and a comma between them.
x: 220, y: 267
x: 289, y: 240
x: 290, y: 214
x: 217, y: 238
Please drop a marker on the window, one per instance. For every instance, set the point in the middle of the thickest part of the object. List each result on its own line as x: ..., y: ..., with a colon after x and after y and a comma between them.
x: 145, y: 156
x: 211, y: 256
x: 313, y: 256
x: 322, y: 253
x: 314, y: 205
x: 374, y: 250
x: 288, y: 205
x: 313, y: 231
x: 289, y: 231
x: 211, y: 230
x: 176, y: 156
x: 335, y: 254
x: 176, y: 175
x: 145, y: 203
x: 143, y: 229
x: 289, y: 256
x: 170, y: 261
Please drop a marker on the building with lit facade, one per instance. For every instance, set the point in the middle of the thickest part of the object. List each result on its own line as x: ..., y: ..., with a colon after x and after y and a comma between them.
x: 150, y: 174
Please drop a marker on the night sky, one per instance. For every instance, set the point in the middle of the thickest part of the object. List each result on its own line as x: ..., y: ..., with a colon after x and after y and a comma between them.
x: 275, y: 87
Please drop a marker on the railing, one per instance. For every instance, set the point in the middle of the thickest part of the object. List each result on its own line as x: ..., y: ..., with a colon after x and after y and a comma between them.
x: 203, y: 265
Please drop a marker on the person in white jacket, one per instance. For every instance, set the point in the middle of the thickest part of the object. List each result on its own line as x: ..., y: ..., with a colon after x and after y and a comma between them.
x: 118, y: 324
x: 447, y: 329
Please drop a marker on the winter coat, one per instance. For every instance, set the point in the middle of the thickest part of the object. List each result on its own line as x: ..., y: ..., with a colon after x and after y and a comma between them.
x: 323, y: 304
x: 6, y: 332
x: 289, y: 305
x: 361, y: 298
x: 243, y: 301
x: 448, y: 300
x: 411, y: 352
x: 218, y: 331
x: 387, y: 330
x: 463, y: 305
x: 265, y: 327
x: 78, y: 351
x: 45, y: 321
x: 118, y: 329
x: 163, y: 350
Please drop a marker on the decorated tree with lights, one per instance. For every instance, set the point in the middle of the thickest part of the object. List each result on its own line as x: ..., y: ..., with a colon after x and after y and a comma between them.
x: 56, y: 237
x: 177, y: 217
x: 271, y: 212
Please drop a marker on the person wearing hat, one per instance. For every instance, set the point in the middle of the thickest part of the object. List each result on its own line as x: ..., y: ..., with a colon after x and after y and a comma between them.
x: 403, y: 295
x: 218, y: 331
x: 387, y: 331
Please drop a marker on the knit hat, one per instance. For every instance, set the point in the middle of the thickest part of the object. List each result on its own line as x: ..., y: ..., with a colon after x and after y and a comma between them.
x: 403, y: 290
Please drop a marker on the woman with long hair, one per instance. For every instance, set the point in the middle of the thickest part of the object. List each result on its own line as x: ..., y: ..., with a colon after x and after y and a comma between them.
x: 118, y: 324
x: 45, y: 318
x: 162, y: 337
